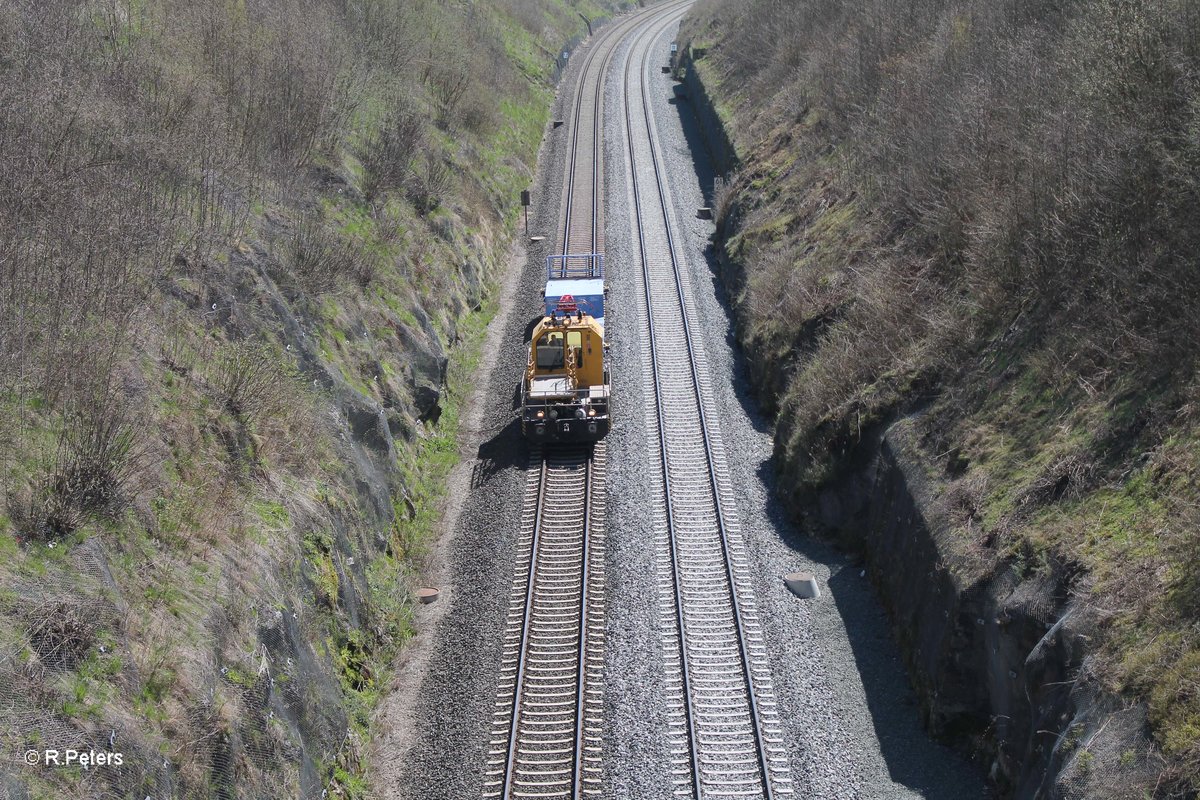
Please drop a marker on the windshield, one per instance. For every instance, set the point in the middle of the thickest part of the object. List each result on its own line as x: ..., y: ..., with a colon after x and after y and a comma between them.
x: 550, y: 351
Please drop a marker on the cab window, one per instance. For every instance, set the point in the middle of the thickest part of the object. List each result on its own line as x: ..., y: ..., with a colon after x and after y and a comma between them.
x: 575, y: 342
x: 550, y: 354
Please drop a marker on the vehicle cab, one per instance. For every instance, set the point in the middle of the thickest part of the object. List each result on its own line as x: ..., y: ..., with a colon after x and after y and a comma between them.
x: 566, y: 392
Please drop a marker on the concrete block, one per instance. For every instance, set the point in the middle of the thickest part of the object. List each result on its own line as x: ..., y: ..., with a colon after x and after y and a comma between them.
x: 803, y: 585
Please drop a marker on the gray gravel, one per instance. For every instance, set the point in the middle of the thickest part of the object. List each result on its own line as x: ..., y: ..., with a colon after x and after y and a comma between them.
x: 848, y: 711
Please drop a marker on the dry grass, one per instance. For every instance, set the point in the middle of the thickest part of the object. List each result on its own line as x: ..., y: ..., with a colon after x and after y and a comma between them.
x: 195, y: 192
x: 988, y: 211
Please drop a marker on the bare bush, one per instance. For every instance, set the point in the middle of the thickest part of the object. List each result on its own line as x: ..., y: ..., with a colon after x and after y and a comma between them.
x: 319, y: 258
x: 430, y: 182
x: 315, y: 255
x: 388, y: 155
x: 388, y: 31
x: 478, y: 112
x: 725, y: 193
x: 251, y: 380
x: 61, y: 632
x: 89, y: 471
x: 307, y: 116
x: 448, y: 86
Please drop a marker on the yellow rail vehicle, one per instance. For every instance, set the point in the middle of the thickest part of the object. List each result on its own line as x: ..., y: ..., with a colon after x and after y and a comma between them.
x: 566, y: 391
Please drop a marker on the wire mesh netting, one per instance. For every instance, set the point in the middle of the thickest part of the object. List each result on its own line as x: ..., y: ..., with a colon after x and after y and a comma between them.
x: 239, y: 704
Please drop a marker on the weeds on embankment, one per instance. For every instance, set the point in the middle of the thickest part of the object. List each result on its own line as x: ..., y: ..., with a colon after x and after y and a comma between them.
x: 223, y: 227
x: 988, y: 210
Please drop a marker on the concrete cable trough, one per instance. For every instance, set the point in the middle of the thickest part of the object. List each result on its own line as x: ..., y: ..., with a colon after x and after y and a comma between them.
x: 803, y: 585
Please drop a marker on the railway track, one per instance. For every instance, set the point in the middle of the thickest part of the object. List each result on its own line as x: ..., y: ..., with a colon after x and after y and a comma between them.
x: 546, y: 730
x: 727, y: 741
x: 582, y: 229
x: 546, y: 736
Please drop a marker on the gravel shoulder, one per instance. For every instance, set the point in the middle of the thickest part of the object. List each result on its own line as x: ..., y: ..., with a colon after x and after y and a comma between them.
x: 849, y: 714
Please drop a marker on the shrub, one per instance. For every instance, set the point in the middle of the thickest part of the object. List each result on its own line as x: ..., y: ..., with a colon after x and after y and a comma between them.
x: 319, y: 258
x: 725, y: 192
x: 89, y: 470
x: 61, y: 632
x: 387, y: 156
x: 431, y: 182
x: 251, y: 380
x: 448, y: 85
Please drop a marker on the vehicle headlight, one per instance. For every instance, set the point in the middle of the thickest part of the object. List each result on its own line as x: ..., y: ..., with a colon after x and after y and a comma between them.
x: 541, y: 414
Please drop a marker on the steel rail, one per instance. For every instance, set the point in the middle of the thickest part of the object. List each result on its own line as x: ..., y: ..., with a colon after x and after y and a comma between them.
x: 555, y: 635
x: 525, y: 626
x: 685, y: 671
x: 581, y: 670
x: 569, y: 177
x: 589, y: 97
x: 746, y: 665
x: 612, y: 37
x: 585, y: 91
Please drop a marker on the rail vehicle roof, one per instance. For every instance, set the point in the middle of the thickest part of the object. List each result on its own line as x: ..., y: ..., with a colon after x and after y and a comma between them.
x: 575, y: 265
x: 588, y: 294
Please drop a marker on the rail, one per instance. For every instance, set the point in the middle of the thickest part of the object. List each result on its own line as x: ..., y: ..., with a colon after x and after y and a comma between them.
x: 545, y: 737
x: 694, y: 600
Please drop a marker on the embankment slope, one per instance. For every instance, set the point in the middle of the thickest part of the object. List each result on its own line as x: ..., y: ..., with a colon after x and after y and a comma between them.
x: 247, y: 252
x: 960, y: 240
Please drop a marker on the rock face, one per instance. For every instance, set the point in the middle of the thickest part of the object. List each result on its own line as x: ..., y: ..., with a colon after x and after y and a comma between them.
x: 369, y: 425
x: 425, y: 366
x: 716, y: 138
x: 998, y: 659
x: 996, y: 648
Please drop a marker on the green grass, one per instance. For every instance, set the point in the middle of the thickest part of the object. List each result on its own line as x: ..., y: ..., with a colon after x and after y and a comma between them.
x: 8, y: 540
x: 272, y: 514
x: 427, y: 473
x: 91, y: 686
x: 1083, y: 452
x: 318, y: 550
x: 362, y: 662
x: 165, y: 594
x: 215, y: 523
